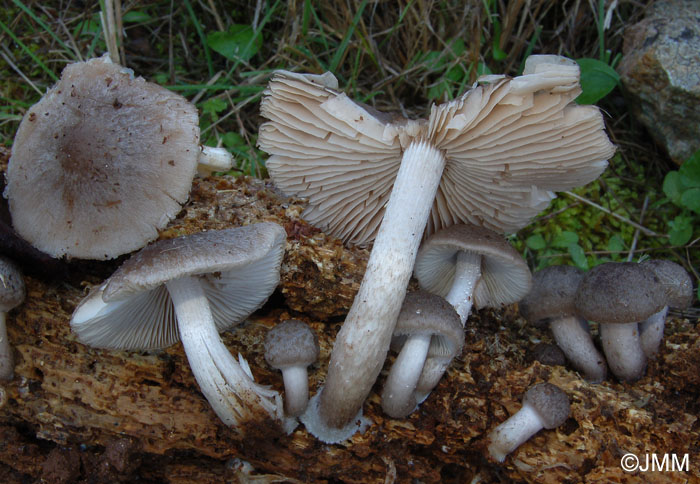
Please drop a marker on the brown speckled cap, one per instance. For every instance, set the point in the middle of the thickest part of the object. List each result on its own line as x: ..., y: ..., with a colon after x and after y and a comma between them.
x: 675, y: 281
x: 619, y: 292
x: 291, y: 343
x: 552, y: 294
x: 550, y: 402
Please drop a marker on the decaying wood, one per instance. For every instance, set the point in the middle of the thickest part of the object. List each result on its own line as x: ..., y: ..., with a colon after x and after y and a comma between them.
x: 76, y: 414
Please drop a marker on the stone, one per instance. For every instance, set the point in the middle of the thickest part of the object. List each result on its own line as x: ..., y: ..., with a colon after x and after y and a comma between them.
x: 660, y: 73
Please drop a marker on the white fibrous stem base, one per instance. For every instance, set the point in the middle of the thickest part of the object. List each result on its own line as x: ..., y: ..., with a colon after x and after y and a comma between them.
x: 363, y: 342
x: 515, y: 431
x: 433, y: 369
x: 213, y: 159
x: 573, y: 337
x: 467, y: 274
x: 331, y: 435
x: 7, y: 365
x: 230, y: 390
x: 623, y: 350
x: 399, y: 395
x: 296, y: 390
x: 651, y: 332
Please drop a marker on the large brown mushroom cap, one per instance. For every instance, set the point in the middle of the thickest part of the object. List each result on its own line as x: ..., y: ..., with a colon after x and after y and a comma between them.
x: 675, y: 281
x: 101, y: 162
x: 552, y: 294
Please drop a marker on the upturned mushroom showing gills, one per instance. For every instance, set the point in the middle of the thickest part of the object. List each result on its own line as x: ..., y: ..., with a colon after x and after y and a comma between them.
x: 12, y: 293
x: 619, y: 295
x: 551, y: 301
x: 113, y: 157
x: 544, y: 406
x: 492, y: 157
x: 190, y: 288
x: 678, y: 287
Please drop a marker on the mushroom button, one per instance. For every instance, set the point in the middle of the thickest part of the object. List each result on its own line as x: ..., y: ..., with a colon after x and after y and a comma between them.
x: 493, y: 157
x: 428, y: 334
x: 678, y: 287
x: 544, y: 406
x: 291, y: 346
x: 551, y: 300
x: 113, y: 157
x: 191, y: 288
x: 618, y: 295
x: 12, y: 293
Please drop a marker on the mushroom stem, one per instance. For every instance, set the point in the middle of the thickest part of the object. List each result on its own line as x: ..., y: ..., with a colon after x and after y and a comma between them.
x: 231, y: 392
x: 213, y: 159
x: 7, y: 366
x: 572, y: 336
x: 651, y: 332
x: 623, y: 350
x: 467, y: 273
x: 508, y: 436
x: 433, y: 369
x: 296, y: 390
x: 363, y: 342
x: 398, y: 397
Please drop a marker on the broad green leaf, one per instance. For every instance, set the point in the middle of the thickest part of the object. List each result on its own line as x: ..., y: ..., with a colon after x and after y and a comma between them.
x: 565, y: 239
x: 233, y: 140
x: 135, y: 16
x: 690, y: 171
x: 597, y: 80
x: 238, y: 42
x: 214, y: 106
x: 690, y: 199
x: 536, y: 242
x: 615, y: 244
x: 578, y: 256
x: 681, y: 230
x: 672, y: 186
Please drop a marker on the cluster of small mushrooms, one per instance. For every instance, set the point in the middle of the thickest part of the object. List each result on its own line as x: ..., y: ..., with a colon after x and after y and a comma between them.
x: 450, y: 181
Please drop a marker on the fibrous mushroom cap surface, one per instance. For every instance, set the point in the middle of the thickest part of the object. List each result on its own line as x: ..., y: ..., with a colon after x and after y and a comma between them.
x: 552, y: 294
x: 12, y: 289
x: 550, y: 402
x: 291, y: 343
x: 675, y: 281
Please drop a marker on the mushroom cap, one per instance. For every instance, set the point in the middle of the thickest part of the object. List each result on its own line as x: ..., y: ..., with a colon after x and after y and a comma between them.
x: 12, y: 289
x: 675, y: 280
x: 505, y: 276
x: 291, y: 343
x: 429, y: 314
x: 552, y: 294
x: 113, y: 157
x: 238, y: 269
x: 550, y: 402
x: 509, y: 144
x: 619, y: 292
x: 548, y: 354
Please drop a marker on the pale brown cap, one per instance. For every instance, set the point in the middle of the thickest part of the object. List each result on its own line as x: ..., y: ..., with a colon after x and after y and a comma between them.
x: 675, y: 281
x: 12, y: 288
x: 550, y: 402
x: 505, y: 276
x: 291, y: 343
x: 552, y: 294
x: 101, y: 162
x: 238, y: 269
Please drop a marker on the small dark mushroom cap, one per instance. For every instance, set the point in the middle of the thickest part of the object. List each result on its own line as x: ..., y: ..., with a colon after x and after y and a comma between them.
x: 12, y: 289
x: 291, y: 343
x: 426, y: 313
x: 619, y: 292
x: 505, y: 276
x: 552, y: 294
x: 675, y: 281
x: 101, y: 162
x: 548, y: 354
x: 550, y: 402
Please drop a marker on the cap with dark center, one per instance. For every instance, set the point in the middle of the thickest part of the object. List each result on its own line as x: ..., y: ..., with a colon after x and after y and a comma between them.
x: 548, y: 354
x: 291, y: 346
x: 678, y: 286
x: 429, y: 335
x: 618, y: 296
x: 551, y: 301
x: 492, y: 157
x: 12, y: 293
x: 544, y: 406
x: 191, y: 288
x: 113, y: 157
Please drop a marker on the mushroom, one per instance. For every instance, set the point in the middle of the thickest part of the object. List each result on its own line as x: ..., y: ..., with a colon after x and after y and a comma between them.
x: 551, y: 301
x: 428, y: 330
x: 544, y: 406
x: 291, y: 346
x: 618, y: 295
x: 678, y: 286
x: 113, y: 157
x: 492, y: 157
x: 190, y: 288
x: 12, y: 293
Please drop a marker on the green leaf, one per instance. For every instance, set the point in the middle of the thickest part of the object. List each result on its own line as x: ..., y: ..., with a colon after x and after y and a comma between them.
x: 616, y: 244
x: 690, y: 199
x: 233, y: 140
x: 597, y: 80
x: 565, y: 239
x: 214, y: 106
x: 238, y: 42
x: 135, y: 17
x: 681, y: 230
x: 672, y: 186
x: 690, y: 171
x: 535, y: 242
x: 578, y: 256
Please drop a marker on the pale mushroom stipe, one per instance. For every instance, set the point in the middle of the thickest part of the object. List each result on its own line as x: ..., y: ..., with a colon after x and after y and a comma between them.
x: 190, y: 288
x: 12, y: 294
x: 113, y: 157
x: 492, y: 157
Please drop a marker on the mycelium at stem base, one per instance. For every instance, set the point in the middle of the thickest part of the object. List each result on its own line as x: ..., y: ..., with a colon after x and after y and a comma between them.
x: 363, y: 342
